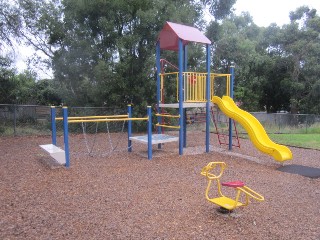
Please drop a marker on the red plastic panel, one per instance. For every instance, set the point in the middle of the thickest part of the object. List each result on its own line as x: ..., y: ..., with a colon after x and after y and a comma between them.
x: 171, y: 33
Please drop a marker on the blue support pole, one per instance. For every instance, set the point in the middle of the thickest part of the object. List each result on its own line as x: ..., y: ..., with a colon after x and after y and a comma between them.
x: 129, y: 128
x: 66, y: 135
x: 53, y: 125
x: 149, y: 132
x: 185, y: 67
x: 208, y: 97
x: 185, y: 56
x: 231, y: 95
x: 180, y: 91
x: 185, y: 128
x: 158, y: 86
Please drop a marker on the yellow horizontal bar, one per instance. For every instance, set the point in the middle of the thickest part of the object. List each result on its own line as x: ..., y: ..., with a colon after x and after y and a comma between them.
x: 167, y: 115
x: 93, y: 117
x: 220, y: 74
x: 194, y: 73
x: 106, y: 120
x: 167, y: 126
x: 138, y: 119
x: 197, y: 73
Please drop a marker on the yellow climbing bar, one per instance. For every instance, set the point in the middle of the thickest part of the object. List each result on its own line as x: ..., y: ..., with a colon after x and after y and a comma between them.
x: 106, y: 120
x: 167, y: 115
x: 94, y: 117
x: 167, y: 126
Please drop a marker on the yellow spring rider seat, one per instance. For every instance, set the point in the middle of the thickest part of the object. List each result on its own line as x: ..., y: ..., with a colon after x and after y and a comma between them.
x: 224, y: 202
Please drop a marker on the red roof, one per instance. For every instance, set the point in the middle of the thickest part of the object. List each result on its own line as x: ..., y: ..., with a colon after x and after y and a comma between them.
x: 171, y: 32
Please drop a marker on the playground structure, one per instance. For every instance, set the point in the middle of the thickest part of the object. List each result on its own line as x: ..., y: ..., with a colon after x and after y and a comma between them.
x: 63, y: 156
x: 197, y: 89
x: 213, y: 172
x: 192, y: 90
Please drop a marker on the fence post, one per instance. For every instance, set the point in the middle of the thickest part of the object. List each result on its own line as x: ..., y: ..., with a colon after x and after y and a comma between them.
x: 14, y: 119
x: 279, y: 120
x: 307, y: 123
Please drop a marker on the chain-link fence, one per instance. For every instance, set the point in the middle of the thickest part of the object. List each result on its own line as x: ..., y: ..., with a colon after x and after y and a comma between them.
x: 24, y: 120
x: 21, y: 120
x: 289, y: 123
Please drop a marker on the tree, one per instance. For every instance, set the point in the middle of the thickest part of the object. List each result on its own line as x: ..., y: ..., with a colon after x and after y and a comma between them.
x: 45, y: 92
x: 15, y: 88
x: 9, y: 24
x: 6, y: 81
x: 301, y: 45
x: 220, y: 9
x: 103, y: 51
x: 108, y: 54
x: 236, y: 40
x: 277, y: 68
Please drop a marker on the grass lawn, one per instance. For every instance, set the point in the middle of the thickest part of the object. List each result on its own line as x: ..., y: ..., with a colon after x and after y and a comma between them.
x: 298, y: 140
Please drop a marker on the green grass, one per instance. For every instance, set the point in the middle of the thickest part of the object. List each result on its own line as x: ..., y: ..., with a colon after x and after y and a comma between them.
x: 295, y: 136
x: 298, y: 140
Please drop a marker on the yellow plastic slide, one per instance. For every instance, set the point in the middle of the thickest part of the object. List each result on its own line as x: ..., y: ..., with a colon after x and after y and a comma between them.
x: 254, y: 128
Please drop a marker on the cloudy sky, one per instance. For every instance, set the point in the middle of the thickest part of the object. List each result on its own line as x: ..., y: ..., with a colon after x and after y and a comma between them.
x: 265, y: 12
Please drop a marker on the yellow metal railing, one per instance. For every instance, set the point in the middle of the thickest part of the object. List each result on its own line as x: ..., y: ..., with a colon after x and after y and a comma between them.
x: 218, y: 78
x: 167, y: 126
x: 194, y: 85
x: 168, y: 116
x: 163, y: 76
x: 106, y: 120
x: 94, y: 117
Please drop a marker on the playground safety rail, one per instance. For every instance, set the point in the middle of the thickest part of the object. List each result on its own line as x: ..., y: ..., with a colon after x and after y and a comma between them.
x: 194, y: 85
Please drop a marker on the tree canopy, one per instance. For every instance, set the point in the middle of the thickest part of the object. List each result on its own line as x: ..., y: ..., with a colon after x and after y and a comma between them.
x: 103, y: 52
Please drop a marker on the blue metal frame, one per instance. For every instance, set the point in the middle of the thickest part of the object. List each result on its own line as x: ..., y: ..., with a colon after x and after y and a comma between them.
x: 231, y: 95
x: 129, y: 128
x: 149, y: 132
x: 208, y: 98
x: 183, y: 64
x: 185, y: 67
x: 65, y: 135
x: 159, y: 118
x: 53, y: 125
x: 181, y: 119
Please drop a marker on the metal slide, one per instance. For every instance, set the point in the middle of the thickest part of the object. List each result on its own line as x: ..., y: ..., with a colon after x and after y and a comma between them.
x: 254, y: 129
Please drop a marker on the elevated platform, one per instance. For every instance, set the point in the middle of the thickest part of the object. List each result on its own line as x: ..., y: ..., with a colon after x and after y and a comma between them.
x: 185, y: 105
x: 55, y: 152
x: 156, y: 138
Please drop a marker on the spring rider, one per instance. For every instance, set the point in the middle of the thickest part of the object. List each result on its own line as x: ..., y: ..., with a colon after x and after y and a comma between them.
x: 213, y: 171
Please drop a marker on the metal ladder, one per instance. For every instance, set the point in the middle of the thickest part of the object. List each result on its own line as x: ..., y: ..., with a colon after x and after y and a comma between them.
x: 221, y: 123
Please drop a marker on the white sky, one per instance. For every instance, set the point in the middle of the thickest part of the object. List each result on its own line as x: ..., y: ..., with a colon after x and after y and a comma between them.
x: 265, y: 12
